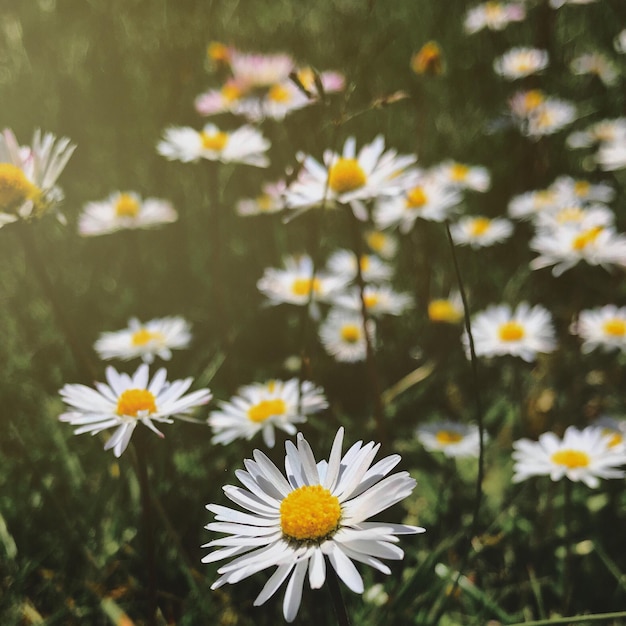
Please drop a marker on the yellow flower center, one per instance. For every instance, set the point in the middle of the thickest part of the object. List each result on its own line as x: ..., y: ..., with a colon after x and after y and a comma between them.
x: 443, y: 311
x: 570, y: 214
x: 309, y: 513
x: 545, y: 119
x: 376, y: 241
x: 511, y: 331
x: 346, y: 175
x: 523, y: 64
x: 459, y: 172
x: 615, y: 437
x: 445, y: 437
x: 307, y: 78
x: 615, y: 327
x: 15, y: 188
x: 365, y: 263
x: 231, y: 92
x: 416, y: 198
x: 532, y: 99
x: 217, y: 51
x: 428, y: 59
x: 214, y: 141
x: 585, y: 238
x: 571, y: 458
x: 493, y: 10
x: 582, y: 188
x: 350, y: 333
x: 127, y: 206
x: 371, y: 299
x: 278, y: 93
x: 134, y: 401
x: 144, y: 336
x: 266, y: 408
x: 303, y: 286
x: 479, y: 226
x: 264, y: 202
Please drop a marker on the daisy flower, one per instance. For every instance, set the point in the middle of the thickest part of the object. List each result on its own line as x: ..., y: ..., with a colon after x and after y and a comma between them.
x: 379, y: 300
x: 582, y: 456
x: 262, y: 407
x: 384, y: 244
x: 123, y: 210
x: 619, y: 43
x: 557, y: 4
x: 428, y: 59
x: 452, y: 438
x: 244, y: 145
x: 461, y: 176
x: 314, y: 514
x: 599, y: 132
x: 447, y: 310
x: 570, y: 190
x: 480, y: 232
x: 225, y: 99
x: 612, y: 154
x: 344, y: 264
x: 522, y: 332
x: 260, y: 70
x: 597, y: 64
x: 520, y: 62
x: 538, y: 115
x: 127, y: 400
x: 349, y: 177
x: 604, y: 328
x: 158, y: 337
x: 493, y: 15
x: 527, y: 205
x: 269, y: 201
x: 583, y: 217
x: 343, y: 337
x: 28, y: 175
x: 615, y: 428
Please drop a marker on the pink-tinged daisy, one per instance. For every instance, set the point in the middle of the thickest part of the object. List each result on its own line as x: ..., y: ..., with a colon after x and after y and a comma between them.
x: 493, y: 16
x: 28, y: 175
x: 243, y: 145
x: 446, y: 310
x: 461, y: 176
x: 604, y: 327
x: 582, y: 456
x: 379, y: 300
x: 523, y: 332
x: 122, y: 210
x: 156, y: 338
x: 452, y: 438
x: 343, y: 336
x: 520, y: 62
x: 260, y: 70
x: 127, y: 400
x: 597, y: 133
x: 263, y: 407
x: 480, y: 231
x: 597, y: 64
x: 225, y: 99
x: 313, y: 514
x: 270, y: 200
x: 373, y: 269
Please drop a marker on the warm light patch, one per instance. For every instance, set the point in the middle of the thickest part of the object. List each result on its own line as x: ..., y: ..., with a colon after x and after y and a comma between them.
x: 304, y: 286
x: 278, y: 93
x: 266, y: 408
x: 446, y: 437
x: 264, y: 203
x: 217, y: 51
x: 214, y: 141
x: 135, y: 401
x: 459, y: 172
x: 370, y: 299
x: 127, y: 206
x: 428, y: 59
x: 586, y: 237
x: 15, y: 188
x: 570, y: 214
x: 543, y: 199
x: 365, y: 263
x: 346, y: 175
x: 582, y: 188
x: 416, y: 198
x: 350, y: 333
x: 443, y: 311
x: 309, y: 513
x: 533, y: 99
x: 571, y: 458
x: 144, y: 336
x: 511, y: 331
x: 493, y: 11
x: 306, y: 77
x: 479, y: 226
x: 523, y: 64
x: 376, y: 241
x: 231, y: 92
x: 615, y: 327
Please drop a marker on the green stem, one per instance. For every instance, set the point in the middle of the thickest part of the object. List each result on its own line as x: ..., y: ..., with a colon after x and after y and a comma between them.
x: 579, y: 619
x: 335, y: 593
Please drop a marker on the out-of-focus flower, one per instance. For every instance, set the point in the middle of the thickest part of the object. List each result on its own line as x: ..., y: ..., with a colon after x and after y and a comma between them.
x: 557, y: 4
x: 263, y: 407
x: 244, y: 145
x: 428, y: 59
x: 158, y: 337
x: 260, y: 70
x: 122, y: 210
x: 522, y: 332
x: 381, y: 243
x: 528, y: 205
x: 582, y: 456
x: 570, y: 190
x: 597, y: 64
x: 379, y: 300
x: 614, y: 428
x: 612, y: 154
x: 318, y: 512
x: 448, y: 310
x: 452, y: 438
x: 480, y: 232
x: 461, y: 176
x: 343, y: 263
x: 219, y: 53
x: 28, y: 175
x: 604, y: 328
x: 493, y: 15
x: 269, y: 201
x: 599, y: 132
x: 127, y: 400
x: 582, y: 217
x: 520, y: 62
x: 343, y: 337
x: 538, y: 115
x: 619, y: 43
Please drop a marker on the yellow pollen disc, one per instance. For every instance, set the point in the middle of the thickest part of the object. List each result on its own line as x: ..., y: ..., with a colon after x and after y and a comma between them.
x: 264, y: 203
x: 416, y: 198
x: 266, y: 408
x: 543, y: 198
x: 214, y: 141
x: 309, y: 513
x: 615, y: 437
x: 570, y: 214
x: 615, y: 327
x: 370, y: 299
x: 581, y: 188
x: 217, y: 51
x: 511, y: 331
x: 523, y: 64
x: 346, y: 175
x: 571, y: 458
x: 303, y: 286
x: 350, y: 333
x: 443, y: 311
x: 231, y: 92
x: 307, y: 78
x: 445, y: 437
x: 278, y: 93
x: 144, y: 336
x: 428, y: 59
x: 127, y: 206
x: 479, y: 226
x: 532, y: 99
x: 365, y: 263
x: 585, y: 238
x: 15, y: 188
x: 133, y: 401
x: 376, y: 241
x: 459, y: 172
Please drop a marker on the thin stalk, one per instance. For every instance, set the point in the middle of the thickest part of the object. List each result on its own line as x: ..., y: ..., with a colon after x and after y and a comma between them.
x: 567, y: 563
x: 215, y: 241
x: 578, y: 619
x: 335, y: 593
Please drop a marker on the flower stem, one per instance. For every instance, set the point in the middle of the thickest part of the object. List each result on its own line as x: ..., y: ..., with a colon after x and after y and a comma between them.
x: 567, y: 563
x: 335, y: 593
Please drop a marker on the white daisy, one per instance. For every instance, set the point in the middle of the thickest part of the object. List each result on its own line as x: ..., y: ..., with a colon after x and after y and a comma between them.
x: 612, y: 154
x: 461, y: 176
x: 480, y: 232
x: 557, y: 4
x: 244, y: 145
x: 583, y: 217
x: 28, y: 175
x: 127, y: 400
x: 582, y: 456
x: 570, y: 190
x: 158, y: 337
x: 319, y: 511
x: 604, y: 327
x: 448, y: 310
x: 493, y: 15
x: 343, y: 337
x: 123, y: 210
x: 260, y: 70
x: 344, y: 264
x: 597, y: 64
x: 385, y: 245
x: 619, y: 43
x: 379, y: 300
x: 452, y: 438
x: 262, y: 407
x: 538, y: 115
x: 520, y: 62
x: 269, y: 201
x: 527, y: 205
x: 599, y: 132
x: 524, y: 332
